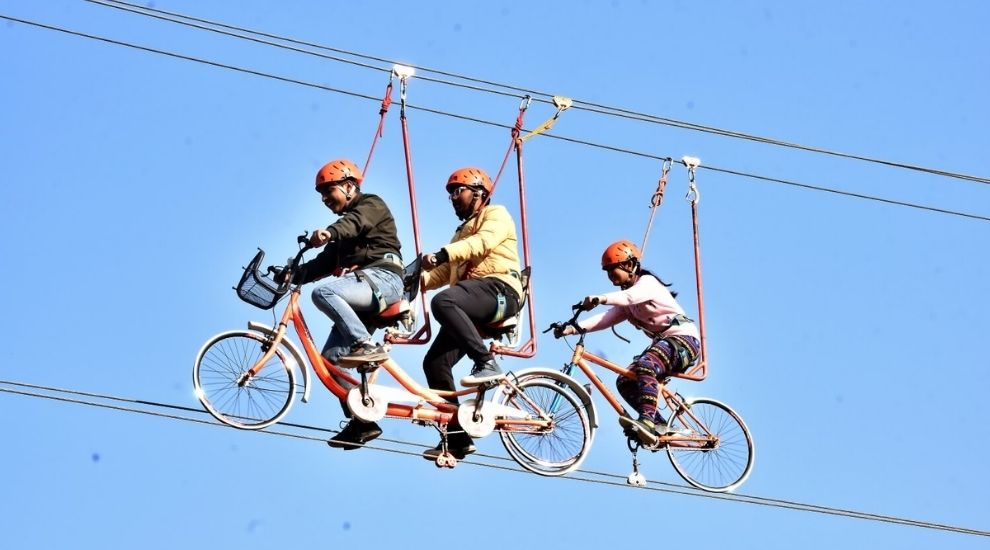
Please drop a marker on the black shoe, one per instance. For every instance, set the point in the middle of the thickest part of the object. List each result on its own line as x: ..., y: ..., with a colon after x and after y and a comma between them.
x: 355, y: 434
x: 459, y: 447
x: 483, y: 372
x: 367, y: 352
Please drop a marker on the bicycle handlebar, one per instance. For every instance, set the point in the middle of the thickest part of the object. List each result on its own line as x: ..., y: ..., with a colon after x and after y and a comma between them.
x: 291, y: 264
x: 558, y: 326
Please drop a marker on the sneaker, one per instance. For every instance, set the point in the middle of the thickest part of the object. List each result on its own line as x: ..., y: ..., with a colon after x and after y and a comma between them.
x: 365, y: 352
x: 643, y: 430
x: 354, y: 435
x: 483, y: 372
x: 459, y: 450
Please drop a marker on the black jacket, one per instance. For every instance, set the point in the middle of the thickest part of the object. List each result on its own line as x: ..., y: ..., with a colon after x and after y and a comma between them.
x: 362, y: 236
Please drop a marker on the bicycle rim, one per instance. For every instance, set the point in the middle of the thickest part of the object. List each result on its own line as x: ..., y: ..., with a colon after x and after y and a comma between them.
x: 262, y: 400
x: 550, y: 451
x: 717, y: 466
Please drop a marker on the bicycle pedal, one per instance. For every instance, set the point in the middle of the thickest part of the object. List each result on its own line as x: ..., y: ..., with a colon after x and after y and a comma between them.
x: 369, y: 367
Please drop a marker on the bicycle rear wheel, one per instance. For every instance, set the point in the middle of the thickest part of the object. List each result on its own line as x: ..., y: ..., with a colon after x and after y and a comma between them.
x: 252, y: 403
x: 552, y: 451
x: 716, y: 452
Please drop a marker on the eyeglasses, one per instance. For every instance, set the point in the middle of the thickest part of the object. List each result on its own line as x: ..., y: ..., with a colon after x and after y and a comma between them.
x: 453, y: 192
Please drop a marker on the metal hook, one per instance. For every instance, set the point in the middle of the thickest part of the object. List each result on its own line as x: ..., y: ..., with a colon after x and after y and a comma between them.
x: 526, y: 100
x: 692, y: 163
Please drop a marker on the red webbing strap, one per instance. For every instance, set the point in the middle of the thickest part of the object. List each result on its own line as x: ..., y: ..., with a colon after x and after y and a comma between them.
x: 700, y: 370
x: 702, y: 366
x: 386, y: 103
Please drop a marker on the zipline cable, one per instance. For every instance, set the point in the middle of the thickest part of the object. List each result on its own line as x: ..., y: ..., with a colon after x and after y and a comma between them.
x: 588, y: 476
x: 491, y: 123
x: 188, y: 20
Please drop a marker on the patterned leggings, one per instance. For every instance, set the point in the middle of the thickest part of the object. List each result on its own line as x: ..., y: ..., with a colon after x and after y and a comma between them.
x: 655, y: 363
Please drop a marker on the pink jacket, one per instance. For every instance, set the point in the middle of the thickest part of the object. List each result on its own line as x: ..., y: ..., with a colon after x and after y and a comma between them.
x: 648, y: 305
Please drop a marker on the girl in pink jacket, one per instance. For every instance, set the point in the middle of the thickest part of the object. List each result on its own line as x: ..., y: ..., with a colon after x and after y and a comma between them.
x: 645, y: 302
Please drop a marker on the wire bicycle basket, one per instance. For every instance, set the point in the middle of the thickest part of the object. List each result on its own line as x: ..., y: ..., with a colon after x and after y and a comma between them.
x: 256, y: 289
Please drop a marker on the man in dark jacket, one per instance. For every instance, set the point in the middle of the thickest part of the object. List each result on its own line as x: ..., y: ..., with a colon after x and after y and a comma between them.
x: 362, y: 253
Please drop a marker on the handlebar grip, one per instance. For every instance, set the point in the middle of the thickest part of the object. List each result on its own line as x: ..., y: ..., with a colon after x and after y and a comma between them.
x: 304, y: 238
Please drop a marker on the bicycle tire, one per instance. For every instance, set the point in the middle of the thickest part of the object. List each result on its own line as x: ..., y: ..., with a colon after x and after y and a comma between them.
x: 553, y: 452
x: 719, y: 467
x: 260, y: 402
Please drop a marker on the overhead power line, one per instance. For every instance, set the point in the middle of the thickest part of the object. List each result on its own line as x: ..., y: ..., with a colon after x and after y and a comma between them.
x: 318, y: 434
x: 491, y: 123
x: 216, y: 26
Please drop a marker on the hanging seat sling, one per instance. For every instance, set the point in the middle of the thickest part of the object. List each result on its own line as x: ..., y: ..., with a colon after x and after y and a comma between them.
x: 506, y: 332
x: 399, y: 318
x: 699, y: 369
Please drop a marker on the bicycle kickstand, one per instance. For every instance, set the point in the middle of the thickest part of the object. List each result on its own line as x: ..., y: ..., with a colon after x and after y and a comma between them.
x: 636, y: 479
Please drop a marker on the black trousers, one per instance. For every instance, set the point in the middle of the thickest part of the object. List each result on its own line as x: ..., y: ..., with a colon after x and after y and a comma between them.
x: 458, y: 309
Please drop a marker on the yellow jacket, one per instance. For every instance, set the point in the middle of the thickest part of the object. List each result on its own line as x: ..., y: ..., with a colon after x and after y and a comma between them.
x: 483, y: 246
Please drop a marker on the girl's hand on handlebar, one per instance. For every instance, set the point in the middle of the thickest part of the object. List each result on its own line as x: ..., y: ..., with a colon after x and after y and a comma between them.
x: 319, y: 238
x: 565, y: 330
x: 590, y: 302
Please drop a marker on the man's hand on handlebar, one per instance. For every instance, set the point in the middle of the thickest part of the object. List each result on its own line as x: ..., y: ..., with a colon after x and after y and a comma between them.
x: 319, y: 238
x: 280, y: 274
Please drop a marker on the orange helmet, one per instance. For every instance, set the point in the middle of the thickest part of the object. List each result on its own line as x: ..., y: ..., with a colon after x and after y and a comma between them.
x: 337, y: 171
x: 474, y: 177
x: 618, y: 252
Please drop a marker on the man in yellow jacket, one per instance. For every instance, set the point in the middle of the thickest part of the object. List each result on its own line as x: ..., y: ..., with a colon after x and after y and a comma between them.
x: 481, y: 267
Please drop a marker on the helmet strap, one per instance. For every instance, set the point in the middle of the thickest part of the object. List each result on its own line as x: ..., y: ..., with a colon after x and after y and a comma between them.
x: 632, y: 270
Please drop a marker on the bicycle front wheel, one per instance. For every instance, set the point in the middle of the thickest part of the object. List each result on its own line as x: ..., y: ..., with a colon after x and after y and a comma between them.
x: 222, y: 385
x: 548, y: 451
x: 713, y: 449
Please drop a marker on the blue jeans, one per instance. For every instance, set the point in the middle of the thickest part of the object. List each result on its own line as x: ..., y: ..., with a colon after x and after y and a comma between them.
x: 343, y: 299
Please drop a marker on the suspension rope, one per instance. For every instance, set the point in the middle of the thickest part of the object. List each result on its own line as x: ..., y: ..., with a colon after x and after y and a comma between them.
x: 581, y: 105
x: 467, y: 118
x: 578, y: 476
x: 513, y: 140
x: 386, y: 102
x: 655, y: 202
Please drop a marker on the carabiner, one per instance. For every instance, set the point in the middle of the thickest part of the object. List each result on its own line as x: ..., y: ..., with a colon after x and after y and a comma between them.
x: 524, y: 103
x: 404, y: 73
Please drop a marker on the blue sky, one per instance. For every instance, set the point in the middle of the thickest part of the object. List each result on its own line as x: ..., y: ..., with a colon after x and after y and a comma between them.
x: 848, y: 333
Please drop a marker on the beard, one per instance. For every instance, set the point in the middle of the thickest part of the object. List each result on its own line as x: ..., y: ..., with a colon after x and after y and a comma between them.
x: 464, y: 212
